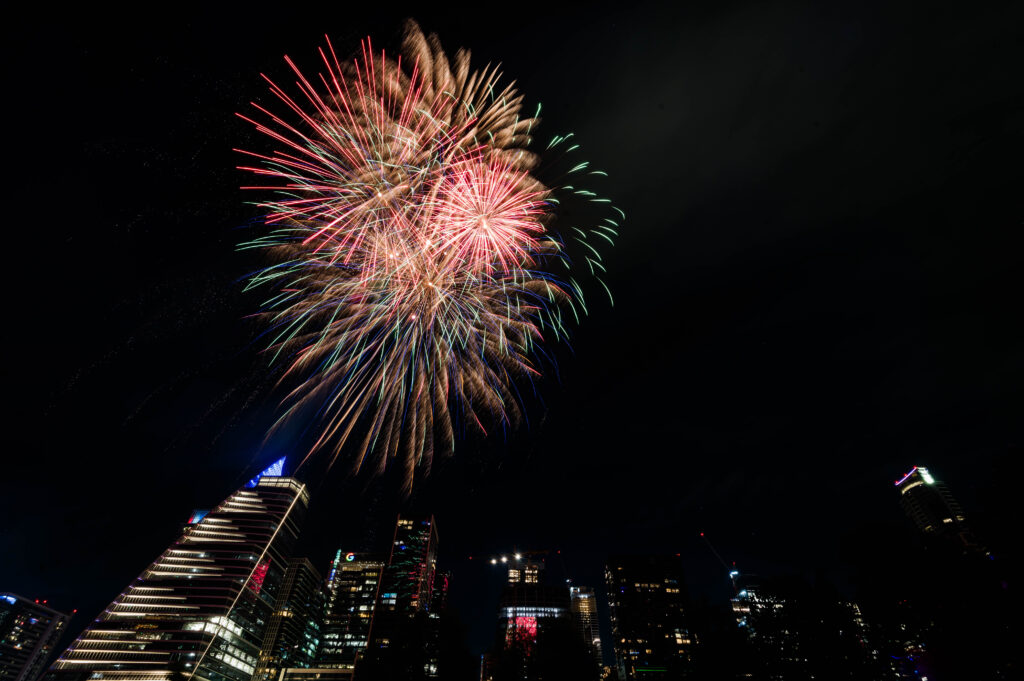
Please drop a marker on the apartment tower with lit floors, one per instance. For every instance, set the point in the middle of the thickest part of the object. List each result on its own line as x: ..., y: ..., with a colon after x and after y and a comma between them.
x: 29, y: 630
x: 933, y: 509
x: 201, y: 609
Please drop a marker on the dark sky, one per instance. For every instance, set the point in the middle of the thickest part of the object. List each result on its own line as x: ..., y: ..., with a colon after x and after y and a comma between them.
x: 818, y: 285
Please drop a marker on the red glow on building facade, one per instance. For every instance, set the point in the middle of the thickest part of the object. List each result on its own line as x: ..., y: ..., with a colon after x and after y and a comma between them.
x: 258, y: 575
x: 521, y: 630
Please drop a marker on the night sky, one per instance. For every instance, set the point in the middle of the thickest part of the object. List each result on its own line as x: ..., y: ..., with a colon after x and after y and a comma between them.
x: 818, y: 286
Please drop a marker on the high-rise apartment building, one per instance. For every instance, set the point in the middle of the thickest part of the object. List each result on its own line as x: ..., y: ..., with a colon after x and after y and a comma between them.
x: 202, y: 607
x: 647, y: 599
x: 29, y: 631
x: 351, y: 596
x: 933, y: 509
x: 584, y: 614
x: 293, y: 634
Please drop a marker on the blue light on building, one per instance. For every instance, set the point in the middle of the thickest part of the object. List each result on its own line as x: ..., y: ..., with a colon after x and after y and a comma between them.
x: 274, y: 470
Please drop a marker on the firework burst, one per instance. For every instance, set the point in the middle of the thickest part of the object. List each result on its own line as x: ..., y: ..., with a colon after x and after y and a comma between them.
x: 411, y: 280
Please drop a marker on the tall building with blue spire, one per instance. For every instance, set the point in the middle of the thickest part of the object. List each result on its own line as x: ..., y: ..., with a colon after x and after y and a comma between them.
x: 201, y: 609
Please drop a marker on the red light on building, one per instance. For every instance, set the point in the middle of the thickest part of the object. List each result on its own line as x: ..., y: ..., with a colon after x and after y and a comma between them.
x: 258, y: 575
x: 521, y: 630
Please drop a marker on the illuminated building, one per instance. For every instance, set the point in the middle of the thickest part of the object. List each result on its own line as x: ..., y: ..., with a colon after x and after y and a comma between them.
x: 526, y: 610
x: 522, y: 571
x: 527, y: 606
x: 351, y: 593
x: 314, y: 674
x: 408, y: 581
x: 584, y: 615
x: 202, y: 607
x: 29, y: 630
x: 293, y: 633
x: 771, y: 622
x: 933, y: 509
x: 400, y: 640
x: 649, y: 629
x: 536, y: 636
x: 798, y: 632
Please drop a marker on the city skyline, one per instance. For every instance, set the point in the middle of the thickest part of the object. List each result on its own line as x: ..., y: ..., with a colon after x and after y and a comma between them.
x: 542, y: 621
x: 814, y: 291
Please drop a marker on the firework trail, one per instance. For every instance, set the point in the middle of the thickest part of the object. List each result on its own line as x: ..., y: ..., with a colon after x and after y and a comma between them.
x: 411, y: 280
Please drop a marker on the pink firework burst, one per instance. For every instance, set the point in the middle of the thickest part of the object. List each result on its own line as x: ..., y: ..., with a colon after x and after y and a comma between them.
x: 409, y: 241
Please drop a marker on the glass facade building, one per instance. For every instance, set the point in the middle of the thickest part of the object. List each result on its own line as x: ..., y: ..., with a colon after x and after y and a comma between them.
x: 29, y: 631
x: 202, y: 607
x: 294, y: 631
x: 647, y: 599
x: 351, y: 596
x: 408, y: 580
x: 584, y: 615
x: 402, y: 639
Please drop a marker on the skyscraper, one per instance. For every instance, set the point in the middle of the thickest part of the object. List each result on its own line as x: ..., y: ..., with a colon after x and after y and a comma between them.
x: 351, y: 594
x: 647, y: 600
x: 528, y: 606
x: 933, y: 509
x: 584, y: 615
x: 201, y: 607
x: 400, y: 634
x: 536, y: 636
x: 800, y: 632
x: 28, y: 633
x: 771, y: 619
x: 408, y: 580
x: 294, y: 631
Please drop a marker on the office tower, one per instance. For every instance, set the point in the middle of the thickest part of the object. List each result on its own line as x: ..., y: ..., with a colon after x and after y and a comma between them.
x: 408, y: 580
x: 400, y: 634
x: 649, y: 628
x: 799, y: 632
x: 584, y: 615
x: 771, y: 619
x: 536, y: 636
x: 28, y: 633
x: 933, y: 509
x: 527, y: 605
x: 432, y: 637
x: 293, y: 634
x: 201, y: 608
x: 351, y: 594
